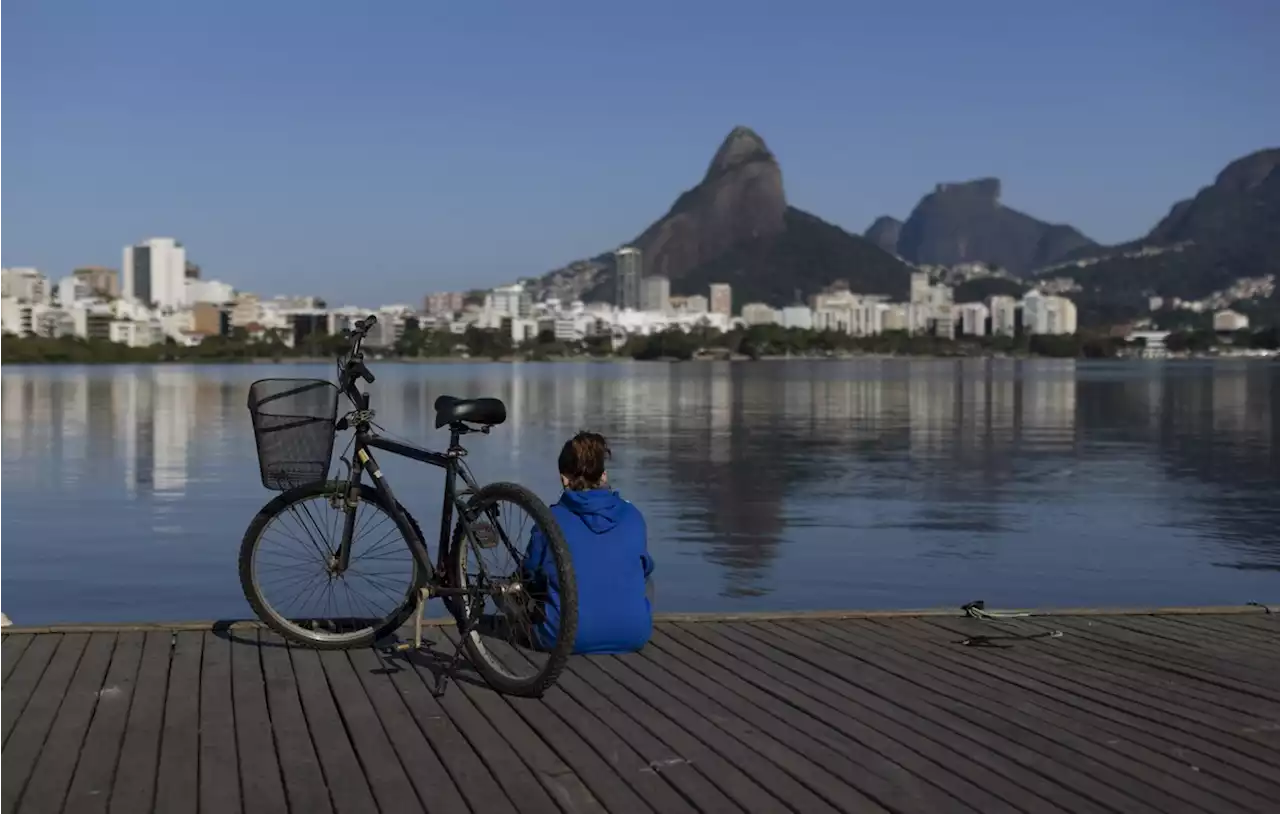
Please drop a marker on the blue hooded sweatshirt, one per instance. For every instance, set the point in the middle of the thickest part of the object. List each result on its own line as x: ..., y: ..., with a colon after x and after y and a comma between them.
x: 608, y: 543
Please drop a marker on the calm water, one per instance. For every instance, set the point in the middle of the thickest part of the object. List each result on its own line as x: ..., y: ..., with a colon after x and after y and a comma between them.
x: 766, y: 486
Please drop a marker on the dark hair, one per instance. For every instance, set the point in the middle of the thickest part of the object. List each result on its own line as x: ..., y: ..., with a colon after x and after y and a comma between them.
x: 582, y: 460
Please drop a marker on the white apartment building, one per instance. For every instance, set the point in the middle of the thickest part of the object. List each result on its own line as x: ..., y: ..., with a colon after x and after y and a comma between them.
x: 1004, y: 315
x: 721, y: 299
x: 759, y: 313
x: 656, y: 294
x: 24, y: 285
x: 155, y: 272
x: 1230, y: 321
x: 1043, y: 314
x: 211, y: 291
x: 509, y: 301
x: 849, y: 313
x: 973, y: 318
x: 797, y: 316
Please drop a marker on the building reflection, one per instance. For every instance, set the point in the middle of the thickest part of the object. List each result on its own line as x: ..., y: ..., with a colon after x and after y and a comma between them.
x: 729, y: 461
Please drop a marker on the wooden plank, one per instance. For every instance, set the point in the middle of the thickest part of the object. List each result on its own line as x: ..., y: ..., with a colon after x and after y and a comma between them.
x: 515, y: 778
x: 29, y: 733
x: 1012, y: 664
x: 731, y: 778
x: 304, y: 781
x: 219, y: 763
x: 53, y: 771
x: 1183, y: 644
x: 1225, y: 631
x: 1022, y: 747
x: 821, y: 769
x: 12, y: 649
x: 260, y: 776
x: 387, y: 779
x: 961, y: 756
x: 134, y: 785
x: 905, y: 785
x: 25, y: 678
x: 91, y: 786
x: 657, y: 758
x: 763, y: 758
x: 348, y: 787
x: 1177, y: 764
x: 482, y: 790
x: 550, y: 771
x: 612, y: 770
x: 1142, y: 646
x: 1209, y: 722
x: 425, y: 771
x: 178, y: 779
x: 1229, y: 705
x: 1119, y: 771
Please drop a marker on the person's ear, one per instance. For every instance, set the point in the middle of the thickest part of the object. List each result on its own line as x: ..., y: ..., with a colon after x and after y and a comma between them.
x: 564, y: 481
x: 604, y: 478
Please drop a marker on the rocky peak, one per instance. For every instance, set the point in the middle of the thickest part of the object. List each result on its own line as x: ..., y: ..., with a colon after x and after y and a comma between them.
x: 980, y: 189
x: 742, y: 146
x: 884, y: 233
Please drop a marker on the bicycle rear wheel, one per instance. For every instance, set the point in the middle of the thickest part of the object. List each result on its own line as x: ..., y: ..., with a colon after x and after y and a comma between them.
x: 287, y: 573
x: 519, y: 618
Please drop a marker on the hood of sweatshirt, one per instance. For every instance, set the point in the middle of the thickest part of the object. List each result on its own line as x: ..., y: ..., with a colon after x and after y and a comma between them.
x: 600, y: 509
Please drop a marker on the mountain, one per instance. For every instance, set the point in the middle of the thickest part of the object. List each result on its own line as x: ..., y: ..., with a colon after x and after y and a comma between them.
x: 884, y: 233
x: 966, y: 223
x: 1228, y: 230
x: 735, y: 226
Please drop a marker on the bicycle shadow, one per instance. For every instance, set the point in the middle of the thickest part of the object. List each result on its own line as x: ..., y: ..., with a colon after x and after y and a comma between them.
x: 437, y: 654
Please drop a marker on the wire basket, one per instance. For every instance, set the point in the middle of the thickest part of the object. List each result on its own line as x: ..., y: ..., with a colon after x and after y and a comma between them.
x: 294, y: 422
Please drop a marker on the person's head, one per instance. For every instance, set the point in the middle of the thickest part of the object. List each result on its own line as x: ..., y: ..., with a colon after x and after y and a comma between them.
x: 582, y: 462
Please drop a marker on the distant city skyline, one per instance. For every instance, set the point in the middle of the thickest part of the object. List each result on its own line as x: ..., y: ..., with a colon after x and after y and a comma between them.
x: 375, y: 157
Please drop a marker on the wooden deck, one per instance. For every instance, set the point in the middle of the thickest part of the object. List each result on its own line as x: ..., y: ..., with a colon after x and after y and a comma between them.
x: 1141, y: 713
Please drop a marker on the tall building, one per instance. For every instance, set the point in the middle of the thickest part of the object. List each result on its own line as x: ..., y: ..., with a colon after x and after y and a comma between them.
x: 155, y: 271
x: 1004, y: 315
x: 510, y: 301
x: 1047, y: 314
x: 722, y: 299
x: 657, y: 293
x: 919, y: 287
x: 630, y: 270
x: 443, y: 303
x: 101, y: 280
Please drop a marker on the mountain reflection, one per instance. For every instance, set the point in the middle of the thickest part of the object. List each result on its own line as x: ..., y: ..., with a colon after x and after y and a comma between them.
x: 798, y: 484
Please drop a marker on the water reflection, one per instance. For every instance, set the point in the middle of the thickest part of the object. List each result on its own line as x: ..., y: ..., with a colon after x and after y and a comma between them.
x: 770, y: 485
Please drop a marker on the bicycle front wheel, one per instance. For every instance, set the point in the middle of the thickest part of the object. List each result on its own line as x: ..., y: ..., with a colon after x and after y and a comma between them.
x: 519, y: 616
x: 288, y: 567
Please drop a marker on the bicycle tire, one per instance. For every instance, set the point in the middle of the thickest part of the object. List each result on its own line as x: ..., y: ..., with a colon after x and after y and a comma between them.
x: 281, y: 503
x: 568, y: 631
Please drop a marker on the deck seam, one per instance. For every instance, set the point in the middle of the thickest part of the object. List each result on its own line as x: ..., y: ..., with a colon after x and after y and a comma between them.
x: 751, y: 616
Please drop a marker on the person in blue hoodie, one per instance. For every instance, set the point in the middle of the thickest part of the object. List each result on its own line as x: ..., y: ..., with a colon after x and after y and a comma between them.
x: 608, y: 543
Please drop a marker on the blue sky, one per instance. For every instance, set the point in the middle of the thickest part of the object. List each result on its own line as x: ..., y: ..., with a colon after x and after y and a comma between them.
x: 371, y: 152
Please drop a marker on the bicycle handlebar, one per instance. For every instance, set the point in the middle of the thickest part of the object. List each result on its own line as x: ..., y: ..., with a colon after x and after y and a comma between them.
x: 355, y: 366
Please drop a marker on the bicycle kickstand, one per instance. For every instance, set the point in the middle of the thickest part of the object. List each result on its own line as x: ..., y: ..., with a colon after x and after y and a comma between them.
x: 442, y: 678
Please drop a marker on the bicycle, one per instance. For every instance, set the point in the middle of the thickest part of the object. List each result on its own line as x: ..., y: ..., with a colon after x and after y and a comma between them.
x: 295, y: 424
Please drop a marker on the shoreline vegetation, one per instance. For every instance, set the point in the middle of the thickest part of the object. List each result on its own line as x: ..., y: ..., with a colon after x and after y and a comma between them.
x: 760, y: 343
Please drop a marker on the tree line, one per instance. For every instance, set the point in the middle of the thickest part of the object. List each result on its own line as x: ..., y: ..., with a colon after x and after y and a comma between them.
x: 755, y: 342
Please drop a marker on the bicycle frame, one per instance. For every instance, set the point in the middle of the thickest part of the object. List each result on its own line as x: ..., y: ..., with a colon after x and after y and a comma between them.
x: 363, y: 461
